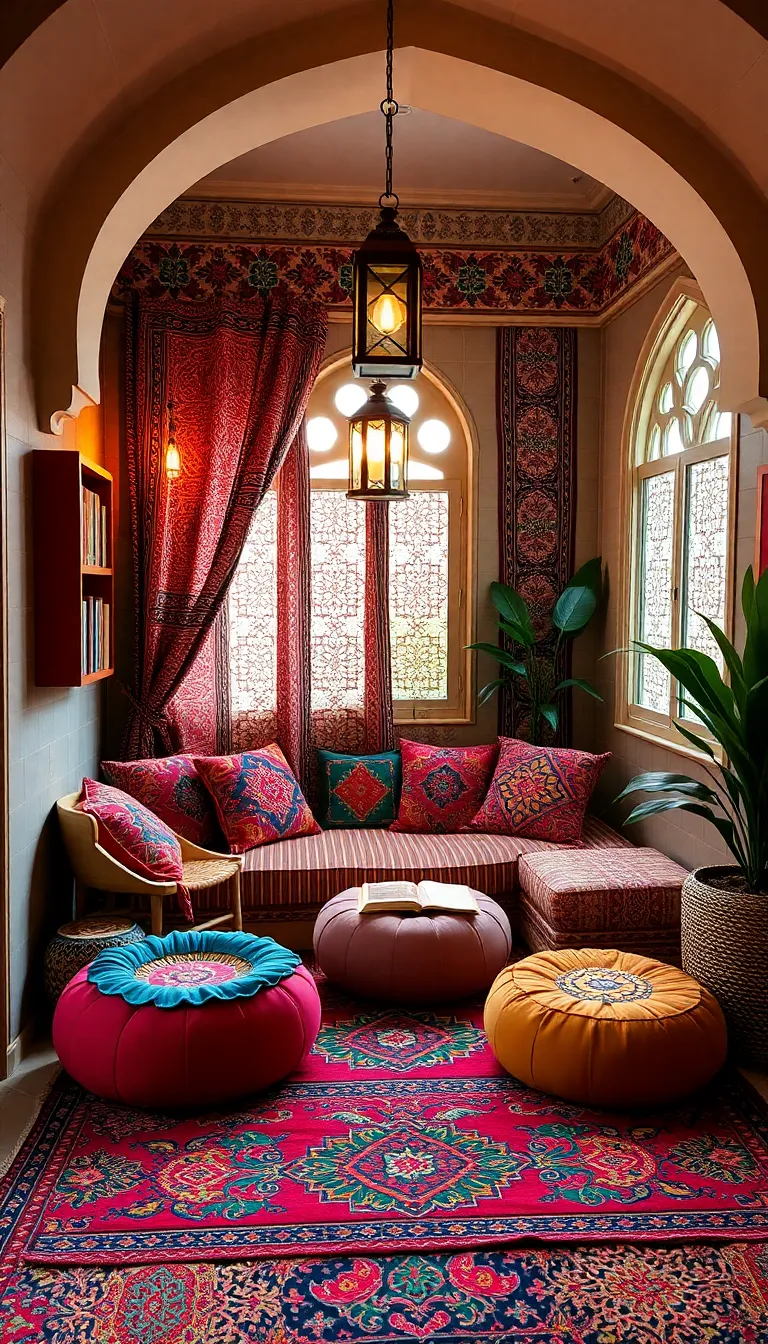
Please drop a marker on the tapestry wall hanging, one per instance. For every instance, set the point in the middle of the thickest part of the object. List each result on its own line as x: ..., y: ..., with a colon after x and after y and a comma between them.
x: 537, y: 476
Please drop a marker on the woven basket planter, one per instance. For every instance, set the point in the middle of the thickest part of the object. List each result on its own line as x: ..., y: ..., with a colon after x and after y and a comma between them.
x: 725, y: 948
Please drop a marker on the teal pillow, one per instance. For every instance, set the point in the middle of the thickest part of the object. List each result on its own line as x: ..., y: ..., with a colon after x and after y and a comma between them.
x: 357, y: 790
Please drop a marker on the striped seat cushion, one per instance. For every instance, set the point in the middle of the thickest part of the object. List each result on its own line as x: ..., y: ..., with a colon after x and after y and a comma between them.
x: 298, y: 876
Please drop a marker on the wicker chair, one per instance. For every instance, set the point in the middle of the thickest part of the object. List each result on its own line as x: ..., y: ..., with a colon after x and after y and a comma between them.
x: 94, y: 867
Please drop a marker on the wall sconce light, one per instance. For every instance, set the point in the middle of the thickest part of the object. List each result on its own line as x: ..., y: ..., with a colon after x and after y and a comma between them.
x: 172, y: 454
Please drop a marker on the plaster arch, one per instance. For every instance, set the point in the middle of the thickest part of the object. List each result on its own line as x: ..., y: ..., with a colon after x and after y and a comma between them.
x: 513, y: 84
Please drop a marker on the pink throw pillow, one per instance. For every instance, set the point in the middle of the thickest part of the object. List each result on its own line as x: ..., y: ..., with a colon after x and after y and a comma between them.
x: 257, y: 798
x: 171, y: 787
x: 134, y: 836
x: 442, y: 786
x: 539, y: 792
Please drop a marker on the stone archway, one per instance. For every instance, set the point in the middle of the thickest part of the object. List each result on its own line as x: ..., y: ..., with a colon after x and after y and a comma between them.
x: 515, y: 85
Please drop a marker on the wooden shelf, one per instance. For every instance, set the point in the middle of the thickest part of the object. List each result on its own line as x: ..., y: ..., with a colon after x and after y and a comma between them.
x: 62, y: 581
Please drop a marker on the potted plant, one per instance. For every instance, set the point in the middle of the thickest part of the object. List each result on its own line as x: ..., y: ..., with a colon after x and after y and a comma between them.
x: 530, y: 665
x: 725, y: 908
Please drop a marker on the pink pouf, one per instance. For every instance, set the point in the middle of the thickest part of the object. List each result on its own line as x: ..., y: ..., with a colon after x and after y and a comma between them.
x: 188, y: 1020
x: 411, y: 958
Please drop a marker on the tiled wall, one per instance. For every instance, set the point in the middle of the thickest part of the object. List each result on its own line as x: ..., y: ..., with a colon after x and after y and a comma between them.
x: 686, y: 838
x: 53, y: 733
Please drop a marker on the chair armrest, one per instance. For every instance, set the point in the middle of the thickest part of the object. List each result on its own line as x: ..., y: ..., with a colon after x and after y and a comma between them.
x: 190, y: 851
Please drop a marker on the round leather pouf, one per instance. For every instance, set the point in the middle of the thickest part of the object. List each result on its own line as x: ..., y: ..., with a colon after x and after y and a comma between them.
x: 605, y: 1028
x: 399, y: 958
x: 76, y: 944
x: 192, y: 1019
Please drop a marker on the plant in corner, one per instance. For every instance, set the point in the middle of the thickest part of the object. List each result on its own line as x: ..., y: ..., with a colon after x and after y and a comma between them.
x: 530, y: 665
x: 725, y: 909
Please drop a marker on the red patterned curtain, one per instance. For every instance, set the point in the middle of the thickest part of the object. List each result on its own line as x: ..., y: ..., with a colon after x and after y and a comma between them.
x: 239, y: 375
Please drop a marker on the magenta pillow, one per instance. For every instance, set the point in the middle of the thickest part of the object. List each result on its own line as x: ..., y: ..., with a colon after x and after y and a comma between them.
x: 257, y: 797
x: 442, y: 787
x: 171, y: 787
x: 539, y: 792
x: 134, y: 836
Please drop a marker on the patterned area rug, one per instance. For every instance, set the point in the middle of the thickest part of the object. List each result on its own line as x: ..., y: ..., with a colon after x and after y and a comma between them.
x: 604, y: 1295
x: 399, y: 1135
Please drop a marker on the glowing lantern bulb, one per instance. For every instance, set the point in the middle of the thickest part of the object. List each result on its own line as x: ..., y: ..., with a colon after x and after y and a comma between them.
x: 388, y: 314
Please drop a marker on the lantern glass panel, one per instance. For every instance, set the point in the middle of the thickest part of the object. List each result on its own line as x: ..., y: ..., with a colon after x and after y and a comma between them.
x: 356, y: 455
x: 375, y: 444
x: 397, y: 455
x: 387, y: 310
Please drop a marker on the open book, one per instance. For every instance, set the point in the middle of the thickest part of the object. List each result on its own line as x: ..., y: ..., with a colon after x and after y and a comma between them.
x: 409, y: 896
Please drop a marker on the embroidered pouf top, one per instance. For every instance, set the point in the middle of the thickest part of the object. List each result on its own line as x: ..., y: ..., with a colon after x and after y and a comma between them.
x: 189, y: 967
x: 605, y: 1028
x: 193, y: 1019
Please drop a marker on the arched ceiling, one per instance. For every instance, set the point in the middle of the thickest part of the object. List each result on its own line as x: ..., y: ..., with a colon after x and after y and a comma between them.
x: 91, y: 59
x: 438, y: 161
x: 85, y: 86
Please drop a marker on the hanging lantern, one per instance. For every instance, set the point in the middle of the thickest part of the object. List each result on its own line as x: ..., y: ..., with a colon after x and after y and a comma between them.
x: 172, y: 454
x: 386, y: 277
x: 378, y: 449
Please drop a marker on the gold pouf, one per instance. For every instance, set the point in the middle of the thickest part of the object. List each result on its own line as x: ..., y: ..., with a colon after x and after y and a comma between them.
x: 605, y: 1028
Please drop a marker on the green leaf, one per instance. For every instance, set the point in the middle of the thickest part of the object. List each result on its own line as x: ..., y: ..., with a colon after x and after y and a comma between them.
x: 577, y: 603
x: 721, y: 824
x: 756, y: 644
x: 662, y: 781
x: 501, y: 656
x: 489, y: 690
x: 730, y: 657
x: 550, y: 713
x: 513, y: 609
x: 581, y: 683
x: 747, y: 592
x: 517, y: 634
x: 700, y: 743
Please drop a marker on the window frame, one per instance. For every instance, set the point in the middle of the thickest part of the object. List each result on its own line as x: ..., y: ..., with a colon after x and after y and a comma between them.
x: 459, y: 707
x: 631, y: 717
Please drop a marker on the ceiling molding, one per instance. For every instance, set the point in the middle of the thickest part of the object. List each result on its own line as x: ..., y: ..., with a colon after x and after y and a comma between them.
x: 448, y: 198
x: 252, y: 220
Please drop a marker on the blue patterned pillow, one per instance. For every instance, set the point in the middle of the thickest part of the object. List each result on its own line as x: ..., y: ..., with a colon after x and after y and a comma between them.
x: 357, y: 791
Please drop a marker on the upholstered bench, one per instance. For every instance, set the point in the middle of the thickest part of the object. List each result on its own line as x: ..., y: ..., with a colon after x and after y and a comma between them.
x: 622, y: 898
x: 293, y: 879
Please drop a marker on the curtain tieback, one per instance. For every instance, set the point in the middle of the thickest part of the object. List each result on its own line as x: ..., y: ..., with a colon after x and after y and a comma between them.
x: 147, y: 716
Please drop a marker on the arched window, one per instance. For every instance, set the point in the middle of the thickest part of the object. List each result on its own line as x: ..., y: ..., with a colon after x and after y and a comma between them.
x: 681, y: 507
x: 428, y: 551
x: 429, y: 562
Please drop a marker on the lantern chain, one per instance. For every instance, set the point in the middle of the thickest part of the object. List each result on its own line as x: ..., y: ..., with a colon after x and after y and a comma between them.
x: 389, y: 107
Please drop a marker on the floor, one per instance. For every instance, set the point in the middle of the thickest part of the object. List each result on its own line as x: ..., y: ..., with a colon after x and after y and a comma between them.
x: 20, y: 1098
x: 21, y: 1095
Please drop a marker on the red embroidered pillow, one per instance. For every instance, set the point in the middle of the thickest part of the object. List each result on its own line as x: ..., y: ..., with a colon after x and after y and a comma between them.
x: 442, y: 786
x: 539, y: 792
x: 135, y: 836
x: 174, y: 791
x: 257, y: 798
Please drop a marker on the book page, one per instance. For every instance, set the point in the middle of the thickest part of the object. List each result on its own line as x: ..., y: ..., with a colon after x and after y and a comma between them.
x: 388, y: 896
x: 447, y: 896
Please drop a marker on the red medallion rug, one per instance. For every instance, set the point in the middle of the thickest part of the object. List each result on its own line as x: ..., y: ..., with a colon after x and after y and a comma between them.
x: 600, y: 1295
x: 399, y: 1135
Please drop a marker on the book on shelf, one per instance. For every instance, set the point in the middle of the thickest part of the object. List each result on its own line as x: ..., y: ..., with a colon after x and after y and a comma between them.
x: 94, y: 530
x: 96, y: 635
x: 416, y: 898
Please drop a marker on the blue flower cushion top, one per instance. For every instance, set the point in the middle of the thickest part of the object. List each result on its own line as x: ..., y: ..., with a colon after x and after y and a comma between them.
x: 357, y: 791
x: 192, y: 1019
